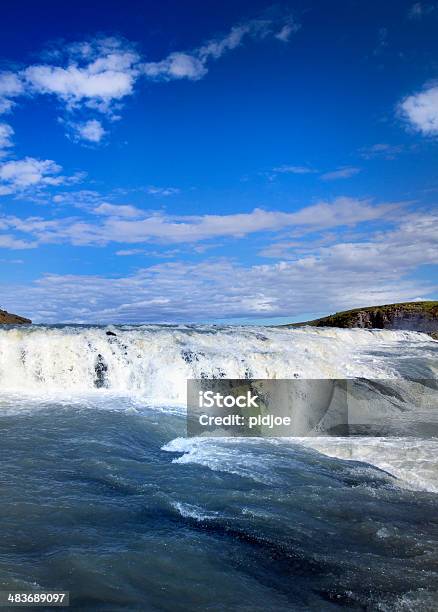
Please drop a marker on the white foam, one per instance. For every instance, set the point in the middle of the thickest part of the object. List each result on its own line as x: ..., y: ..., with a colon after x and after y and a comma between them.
x: 413, y: 461
x: 154, y: 362
x: 195, y: 512
x: 225, y: 455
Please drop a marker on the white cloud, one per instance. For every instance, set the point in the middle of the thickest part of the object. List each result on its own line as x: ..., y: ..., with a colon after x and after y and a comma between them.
x: 287, y: 30
x: 179, y: 229
x: 5, y: 105
x: 421, y: 110
x: 115, y: 210
x: 10, y: 87
x: 168, y: 254
x: 193, y: 65
x: 340, y: 173
x: 105, y: 73
x: 10, y: 242
x: 182, y: 291
x: 291, y: 249
x: 156, y: 227
x: 29, y: 173
x: 6, y: 133
x: 73, y: 84
x: 129, y: 252
x: 84, y: 198
x: 413, y: 243
x: 381, y: 149
x: 420, y: 9
x: 376, y: 269
x: 176, y: 66
x: 89, y: 131
x: 282, y: 250
x: 293, y: 170
x: 215, y: 48
x: 162, y: 191
x: 96, y: 75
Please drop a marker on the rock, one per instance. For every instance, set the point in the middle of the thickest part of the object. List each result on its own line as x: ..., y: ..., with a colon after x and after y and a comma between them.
x: 110, y: 333
x: 413, y: 316
x: 7, y: 318
x: 100, y: 369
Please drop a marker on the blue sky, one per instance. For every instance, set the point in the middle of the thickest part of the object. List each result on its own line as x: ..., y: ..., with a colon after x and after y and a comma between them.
x: 209, y: 162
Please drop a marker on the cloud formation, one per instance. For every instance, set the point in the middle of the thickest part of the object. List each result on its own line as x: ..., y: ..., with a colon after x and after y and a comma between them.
x: 98, y: 74
x: 127, y: 224
x: 22, y: 175
x: 11, y: 86
x: 90, y: 131
x: 114, y: 210
x: 420, y: 9
x: 420, y: 110
x: 10, y: 242
x: 382, y: 150
x: 162, y: 191
x: 187, y: 291
x: 95, y: 74
x: 293, y: 169
x: 193, y: 65
x: 6, y: 133
x: 340, y: 173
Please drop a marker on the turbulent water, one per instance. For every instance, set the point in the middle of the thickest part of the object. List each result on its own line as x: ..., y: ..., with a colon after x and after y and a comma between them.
x: 104, y: 496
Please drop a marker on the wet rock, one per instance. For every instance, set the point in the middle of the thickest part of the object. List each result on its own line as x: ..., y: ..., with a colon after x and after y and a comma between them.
x: 101, y: 370
x: 412, y: 316
x: 189, y: 356
x: 6, y: 318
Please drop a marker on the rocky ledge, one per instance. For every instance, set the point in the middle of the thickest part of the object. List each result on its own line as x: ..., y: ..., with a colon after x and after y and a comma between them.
x: 7, y: 318
x: 413, y: 316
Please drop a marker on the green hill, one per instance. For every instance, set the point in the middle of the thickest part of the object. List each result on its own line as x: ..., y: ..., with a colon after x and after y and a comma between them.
x: 7, y: 318
x: 414, y: 316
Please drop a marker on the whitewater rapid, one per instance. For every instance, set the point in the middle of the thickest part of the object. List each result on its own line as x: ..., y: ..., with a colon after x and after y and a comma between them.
x: 104, y: 495
x: 149, y: 365
x: 154, y: 362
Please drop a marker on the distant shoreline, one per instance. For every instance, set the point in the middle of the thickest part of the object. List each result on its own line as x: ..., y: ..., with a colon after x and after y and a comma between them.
x: 7, y: 318
x: 410, y: 316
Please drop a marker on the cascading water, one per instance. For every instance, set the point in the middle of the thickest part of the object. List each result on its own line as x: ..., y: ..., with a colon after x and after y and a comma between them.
x: 155, y: 361
x: 103, y: 495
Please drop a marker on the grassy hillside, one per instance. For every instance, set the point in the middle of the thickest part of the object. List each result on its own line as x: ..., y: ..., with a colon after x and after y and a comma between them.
x: 419, y: 316
x: 7, y: 318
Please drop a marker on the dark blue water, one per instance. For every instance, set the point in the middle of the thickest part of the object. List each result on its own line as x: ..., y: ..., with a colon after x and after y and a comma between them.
x: 92, y: 503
